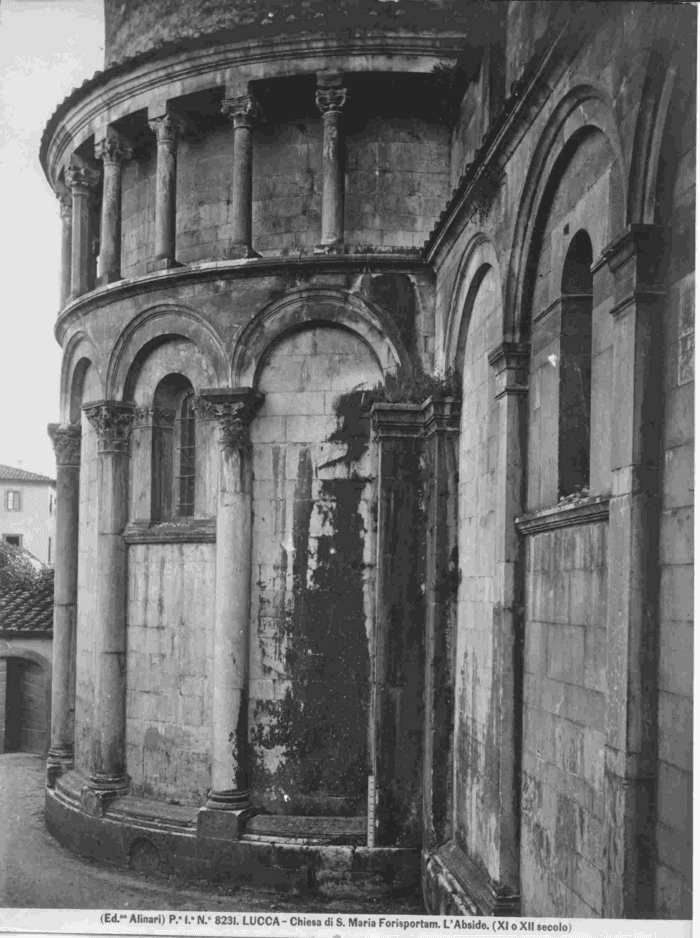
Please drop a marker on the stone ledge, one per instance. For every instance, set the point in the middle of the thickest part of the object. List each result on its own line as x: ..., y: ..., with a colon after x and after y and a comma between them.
x: 194, y: 532
x: 584, y: 511
x: 472, y: 886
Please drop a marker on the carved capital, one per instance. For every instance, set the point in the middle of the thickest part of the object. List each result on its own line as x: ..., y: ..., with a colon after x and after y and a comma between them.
x: 66, y: 443
x: 441, y: 414
x: 80, y: 177
x: 243, y: 110
x: 168, y: 128
x: 112, y: 421
x: 65, y: 203
x: 330, y: 100
x: 233, y: 409
x: 114, y: 148
x: 510, y: 362
x: 154, y: 416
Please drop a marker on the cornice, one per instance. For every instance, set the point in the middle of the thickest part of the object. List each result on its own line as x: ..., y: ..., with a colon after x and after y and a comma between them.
x: 170, y: 72
x: 519, y: 110
x: 565, y: 515
x: 227, y: 270
x: 200, y: 531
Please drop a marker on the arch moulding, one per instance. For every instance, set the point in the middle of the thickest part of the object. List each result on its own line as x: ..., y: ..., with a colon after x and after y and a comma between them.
x: 586, y: 107
x: 161, y: 322
x: 479, y: 257
x: 80, y: 352
x: 307, y: 306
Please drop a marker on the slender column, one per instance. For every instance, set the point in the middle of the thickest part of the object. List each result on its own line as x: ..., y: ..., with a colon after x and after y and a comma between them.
x: 633, y: 576
x: 66, y: 443
x: 168, y: 128
x: 234, y: 409
x: 80, y: 179
x: 441, y: 417
x: 113, y: 150
x: 396, y: 749
x: 330, y: 98
x: 112, y: 421
x: 66, y: 208
x: 243, y: 111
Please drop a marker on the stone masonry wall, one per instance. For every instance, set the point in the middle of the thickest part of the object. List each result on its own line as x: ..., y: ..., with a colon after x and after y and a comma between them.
x: 169, y: 653
x: 564, y: 721
x: 312, y: 609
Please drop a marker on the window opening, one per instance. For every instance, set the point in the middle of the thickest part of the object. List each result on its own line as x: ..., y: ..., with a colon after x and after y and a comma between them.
x: 186, y: 462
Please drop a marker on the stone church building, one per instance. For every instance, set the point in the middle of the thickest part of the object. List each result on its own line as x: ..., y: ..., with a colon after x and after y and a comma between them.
x: 375, y: 473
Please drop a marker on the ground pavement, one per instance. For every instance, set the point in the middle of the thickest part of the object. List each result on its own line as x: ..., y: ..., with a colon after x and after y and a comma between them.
x: 36, y: 872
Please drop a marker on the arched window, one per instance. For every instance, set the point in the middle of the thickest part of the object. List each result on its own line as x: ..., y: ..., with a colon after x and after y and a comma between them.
x: 173, y: 463
x: 575, y: 368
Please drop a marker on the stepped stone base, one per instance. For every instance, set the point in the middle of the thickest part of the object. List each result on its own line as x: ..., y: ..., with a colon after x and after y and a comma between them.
x: 288, y: 854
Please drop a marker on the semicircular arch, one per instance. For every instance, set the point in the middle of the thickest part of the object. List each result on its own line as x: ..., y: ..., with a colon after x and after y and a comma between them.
x: 79, y: 354
x: 305, y: 307
x: 158, y: 323
x: 479, y: 257
x: 584, y: 109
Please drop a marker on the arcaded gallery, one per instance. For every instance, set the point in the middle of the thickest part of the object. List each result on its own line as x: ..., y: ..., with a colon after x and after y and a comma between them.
x: 375, y: 462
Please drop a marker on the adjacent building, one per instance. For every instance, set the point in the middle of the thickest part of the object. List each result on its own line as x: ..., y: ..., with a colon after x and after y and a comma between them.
x: 28, y: 512
x: 374, y: 470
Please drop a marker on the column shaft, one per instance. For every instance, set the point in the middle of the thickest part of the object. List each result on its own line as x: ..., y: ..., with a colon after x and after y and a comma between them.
x: 243, y: 110
x: 66, y: 246
x: 66, y: 441
x: 80, y: 180
x: 168, y: 129
x: 330, y: 101
x: 113, y: 151
x: 112, y: 422
x: 234, y: 409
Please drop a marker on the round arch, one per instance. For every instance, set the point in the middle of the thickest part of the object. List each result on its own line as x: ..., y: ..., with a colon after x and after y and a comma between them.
x: 478, y: 259
x: 158, y: 323
x: 11, y: 652
x: 585, y: 108
x: 80, y: 353
x: 308, y: 306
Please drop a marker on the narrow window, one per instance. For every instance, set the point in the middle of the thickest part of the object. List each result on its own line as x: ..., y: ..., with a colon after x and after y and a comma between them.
x: 575, y: 368
x: 186, y: 458
x: 13, y: 500
x: 49, y: 557
x: 14, y: 539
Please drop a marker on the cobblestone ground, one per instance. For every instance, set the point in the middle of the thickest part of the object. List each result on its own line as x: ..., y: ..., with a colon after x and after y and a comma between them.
x: 36, y: 872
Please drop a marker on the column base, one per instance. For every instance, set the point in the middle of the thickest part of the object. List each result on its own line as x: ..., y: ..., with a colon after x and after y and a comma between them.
x: 330, y: 247
x: 99, y: 793
x: 57, y: 764
x: 236, y: 252
x: 162, y: 263
x: 104, y: 279
x: 222, y: 824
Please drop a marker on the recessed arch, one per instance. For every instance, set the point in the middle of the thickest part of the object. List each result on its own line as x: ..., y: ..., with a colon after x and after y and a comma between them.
x: 313, y: 306
x: 155, y: 325
x: 584, y: 109
x: 479, y: 258
x: 80, y: 353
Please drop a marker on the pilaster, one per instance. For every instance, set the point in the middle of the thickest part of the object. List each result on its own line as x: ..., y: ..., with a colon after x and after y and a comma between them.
x: 65, y: 201
x: 635, y: 260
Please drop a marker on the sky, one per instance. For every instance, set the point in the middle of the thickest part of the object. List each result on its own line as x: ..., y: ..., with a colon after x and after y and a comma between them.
x: 47, y: 47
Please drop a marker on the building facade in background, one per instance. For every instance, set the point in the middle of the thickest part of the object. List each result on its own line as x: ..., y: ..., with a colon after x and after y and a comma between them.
x: 28, y: 512
x: 374, y: 475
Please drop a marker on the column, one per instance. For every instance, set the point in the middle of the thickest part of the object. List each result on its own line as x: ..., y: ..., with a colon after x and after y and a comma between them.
x: 66, y: 209
x: 229, y: 798
x: 107, y: 776
x: 395, y: 746
x: 66, y: 444
x: 80, y: 179
x: 243, y: 111
x: 634, y: 259
x: 168, y: 128
x: 441, y: 417
x: 330, y: 98
x: 113, y: 150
